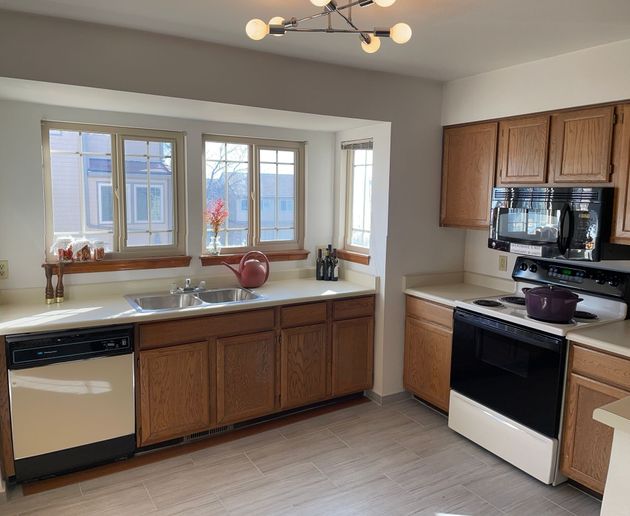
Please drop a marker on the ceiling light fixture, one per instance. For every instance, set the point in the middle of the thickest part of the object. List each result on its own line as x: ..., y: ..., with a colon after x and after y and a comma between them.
x: 370, y: 39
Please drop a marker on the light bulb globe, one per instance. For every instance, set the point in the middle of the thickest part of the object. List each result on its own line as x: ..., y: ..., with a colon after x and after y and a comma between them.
x: 401, y: 33
x: 372, y: 46
x: 384, y: 3
x: 320, y: 3
x: 256, y: 29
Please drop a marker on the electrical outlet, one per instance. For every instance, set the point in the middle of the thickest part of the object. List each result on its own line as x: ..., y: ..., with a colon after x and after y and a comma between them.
x: 503, y: 263
x: 4, y: 269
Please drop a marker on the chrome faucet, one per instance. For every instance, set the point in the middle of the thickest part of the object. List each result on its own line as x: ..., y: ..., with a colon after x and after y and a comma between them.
x: 187, y: 288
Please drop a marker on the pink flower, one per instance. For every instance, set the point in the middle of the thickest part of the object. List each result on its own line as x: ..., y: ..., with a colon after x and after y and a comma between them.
x: 215, y: 215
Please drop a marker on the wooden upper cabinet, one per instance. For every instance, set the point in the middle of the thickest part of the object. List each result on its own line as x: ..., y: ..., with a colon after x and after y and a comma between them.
x: 246, y: 377
x: 621, y: 226
x: 587, y: 443
x: 468, y: 170
x: 522, y: 154
x: 580, y: 145
x: 303, y: 365
x: 175, y: 392
x: 352, y: 355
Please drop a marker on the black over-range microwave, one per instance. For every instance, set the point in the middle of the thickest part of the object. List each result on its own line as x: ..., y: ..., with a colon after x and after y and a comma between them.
x: 563, y: 223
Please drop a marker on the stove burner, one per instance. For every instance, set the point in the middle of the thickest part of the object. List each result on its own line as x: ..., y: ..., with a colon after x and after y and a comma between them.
x: 589, y: 316
x: 487, y: 303
x: 514, y: 300
x: 572, y: 321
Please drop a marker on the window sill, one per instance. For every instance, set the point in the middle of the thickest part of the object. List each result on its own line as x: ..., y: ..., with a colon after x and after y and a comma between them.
x: 351, y: 256
x: 130, y: 264
x: 274, y: 256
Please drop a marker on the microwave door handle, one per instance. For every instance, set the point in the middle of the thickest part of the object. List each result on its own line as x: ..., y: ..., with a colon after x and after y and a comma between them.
x: 564, y: 241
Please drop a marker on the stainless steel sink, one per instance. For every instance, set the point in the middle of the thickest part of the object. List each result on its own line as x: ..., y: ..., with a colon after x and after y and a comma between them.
x: 158, y: 303
x: 178, y: 301
x: 227, y: 295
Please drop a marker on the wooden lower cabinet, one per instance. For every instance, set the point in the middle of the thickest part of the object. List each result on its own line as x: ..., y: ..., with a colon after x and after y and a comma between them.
x: 427, y: 369
x: 246, y: 377
x: 352, y: 355
x: 587, y: 443
x: 303, y: 365
x: 174, y: 391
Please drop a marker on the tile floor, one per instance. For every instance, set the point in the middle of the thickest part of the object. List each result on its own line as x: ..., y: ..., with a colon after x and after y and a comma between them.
x: 365, y: 459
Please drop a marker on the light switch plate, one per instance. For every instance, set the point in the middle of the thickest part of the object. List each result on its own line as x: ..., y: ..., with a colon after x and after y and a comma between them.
x: 503, y: 263
x: 4, y: 269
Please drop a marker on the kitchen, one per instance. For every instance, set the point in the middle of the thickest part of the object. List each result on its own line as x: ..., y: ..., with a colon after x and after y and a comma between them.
x: 406, y: 121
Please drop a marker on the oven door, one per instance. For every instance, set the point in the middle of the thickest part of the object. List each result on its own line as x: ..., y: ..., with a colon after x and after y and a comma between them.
x: 511, y: 369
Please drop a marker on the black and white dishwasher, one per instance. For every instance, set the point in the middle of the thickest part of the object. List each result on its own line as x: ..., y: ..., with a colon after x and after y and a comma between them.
x: 72, y: 399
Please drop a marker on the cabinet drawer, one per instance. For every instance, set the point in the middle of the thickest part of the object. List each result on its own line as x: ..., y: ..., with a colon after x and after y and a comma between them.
x: 301, y: 315
x: 609, y: 369
x: 431, y: 312
x: 350, y: 308
x: 157, y: 335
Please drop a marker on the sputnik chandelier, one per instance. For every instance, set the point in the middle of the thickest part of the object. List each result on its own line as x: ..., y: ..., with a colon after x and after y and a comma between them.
x: 400, y: 33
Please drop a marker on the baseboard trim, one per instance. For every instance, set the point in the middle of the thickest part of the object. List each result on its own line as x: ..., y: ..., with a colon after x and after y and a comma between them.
x: 389, y: 399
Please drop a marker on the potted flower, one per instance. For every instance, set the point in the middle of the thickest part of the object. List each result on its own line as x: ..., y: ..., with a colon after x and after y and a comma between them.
x: 214, y: 216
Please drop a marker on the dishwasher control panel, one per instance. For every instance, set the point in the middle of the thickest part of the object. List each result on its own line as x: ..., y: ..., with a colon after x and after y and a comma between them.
x: 38, y: 349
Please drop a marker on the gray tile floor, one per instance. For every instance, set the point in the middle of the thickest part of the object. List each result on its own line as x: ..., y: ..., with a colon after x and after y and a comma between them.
x: 399, y: 459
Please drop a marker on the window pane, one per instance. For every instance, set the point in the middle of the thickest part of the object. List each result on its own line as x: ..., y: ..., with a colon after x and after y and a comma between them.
x: 277, y: 195
x: 81, y: 178
x: 150, y: 188
x: 360, y: 175
x: 227, y: 178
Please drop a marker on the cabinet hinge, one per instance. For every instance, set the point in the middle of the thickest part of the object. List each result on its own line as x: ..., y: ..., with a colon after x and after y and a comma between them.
x: 615, y: 118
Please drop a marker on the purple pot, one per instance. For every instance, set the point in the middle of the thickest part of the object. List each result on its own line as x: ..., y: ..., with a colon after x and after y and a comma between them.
x: 551, y: 304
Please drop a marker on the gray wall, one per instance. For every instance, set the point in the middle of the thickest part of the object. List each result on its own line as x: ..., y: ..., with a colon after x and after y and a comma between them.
x: 53, y: 50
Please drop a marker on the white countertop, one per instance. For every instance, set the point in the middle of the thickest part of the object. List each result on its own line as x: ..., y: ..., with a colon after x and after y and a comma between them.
x: 449, y: 294
x: 613, y: 337
x: 114, y: 309
x: 615, y: 414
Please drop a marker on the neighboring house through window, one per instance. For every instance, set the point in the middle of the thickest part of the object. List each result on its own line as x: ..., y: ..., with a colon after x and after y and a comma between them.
x: 118, y: 185
x: 261, y: 183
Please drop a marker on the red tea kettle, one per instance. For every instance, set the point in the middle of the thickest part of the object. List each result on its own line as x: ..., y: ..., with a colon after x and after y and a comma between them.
x: 251, y: 273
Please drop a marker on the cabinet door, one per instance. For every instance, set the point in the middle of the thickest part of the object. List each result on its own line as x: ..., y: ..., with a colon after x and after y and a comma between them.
x: 174, y: 392
x: 468, y: 170
x: 352, y: 355
x: 621, y: 221
x: 586, y: 443
x: 581, y: 144
x: 303, y: 365
x: 246, y: 374
x: 523, y: 145
x: 427, y: 369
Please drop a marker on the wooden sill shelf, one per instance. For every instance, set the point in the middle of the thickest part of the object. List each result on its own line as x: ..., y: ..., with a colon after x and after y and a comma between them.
x: 351, y: 256
x: 274, y: 256
x: 130, y: 264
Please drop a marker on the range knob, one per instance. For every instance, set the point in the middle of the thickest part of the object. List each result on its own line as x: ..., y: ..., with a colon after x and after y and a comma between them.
x: 533, y: 267
x: 614, y: 282
x: 600, y: 280
x: 524, y: 266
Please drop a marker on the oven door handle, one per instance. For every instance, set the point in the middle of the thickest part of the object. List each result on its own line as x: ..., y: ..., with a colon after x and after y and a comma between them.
x: 564, y: 238
x: 530, y: 337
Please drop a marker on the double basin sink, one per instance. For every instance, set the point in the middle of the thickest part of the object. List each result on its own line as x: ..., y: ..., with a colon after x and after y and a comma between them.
x: 180, y: 300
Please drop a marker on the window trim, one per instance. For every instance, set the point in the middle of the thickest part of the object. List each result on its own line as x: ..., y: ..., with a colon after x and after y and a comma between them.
x: 118, y: 135
x: 347, y: 245
x: 255, y: 145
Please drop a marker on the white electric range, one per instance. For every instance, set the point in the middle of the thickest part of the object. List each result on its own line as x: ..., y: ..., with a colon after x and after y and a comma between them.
x: 508, y: 369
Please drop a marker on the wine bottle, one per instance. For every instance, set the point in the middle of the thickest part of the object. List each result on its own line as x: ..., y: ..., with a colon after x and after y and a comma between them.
x: 335, y: 266
x: 328, y: 265
x: 319, y: 266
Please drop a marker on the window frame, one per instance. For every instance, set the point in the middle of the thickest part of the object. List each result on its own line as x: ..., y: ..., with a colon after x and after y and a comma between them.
x: 349, y: 199
x: 255, y: 201
x: 100, y: 185
x: 118, y: 136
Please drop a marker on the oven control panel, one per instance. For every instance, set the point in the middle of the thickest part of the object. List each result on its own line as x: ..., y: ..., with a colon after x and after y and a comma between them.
x: 604, y: 282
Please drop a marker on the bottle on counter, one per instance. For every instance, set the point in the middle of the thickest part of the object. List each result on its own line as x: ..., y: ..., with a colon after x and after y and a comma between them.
x: 319, y: 265
x: 335, y: 266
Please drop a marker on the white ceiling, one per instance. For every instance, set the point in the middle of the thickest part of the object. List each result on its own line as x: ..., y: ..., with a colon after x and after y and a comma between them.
x: 452, y: 38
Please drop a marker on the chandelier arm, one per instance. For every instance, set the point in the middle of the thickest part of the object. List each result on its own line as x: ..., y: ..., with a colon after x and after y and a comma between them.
x: 365, y: 36
x: 332, y: 31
